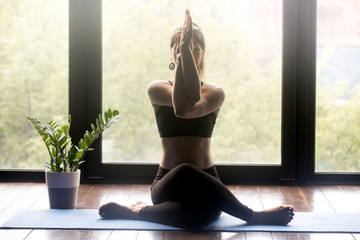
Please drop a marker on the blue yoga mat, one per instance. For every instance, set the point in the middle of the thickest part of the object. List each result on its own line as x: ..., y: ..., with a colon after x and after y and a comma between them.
x: 89, y: 219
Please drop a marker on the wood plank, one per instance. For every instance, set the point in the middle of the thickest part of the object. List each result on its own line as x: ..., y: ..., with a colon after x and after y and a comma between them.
x: 327, y: 236
x: 304, y: 236
x: 337, y: 199
x: 84, y: 190
x: 141, y: 192
x: 311, y: 236
x: 126, y: 235
x: 258, y: 236
x: 316, y: 199
x: 25, y: 200
x: 356, y: 236
x: 232, y: 236
x: 56, y: 234
x: 352, y: 193
x: 95, y: 197
x: 286, y: 236
x: 181, y: 235
x: 250, y: 196
x: 43, y: 201
x: 150, y: 235
x: 294, y: 196
x: 14, y: 234
x: 120, y: 193
x: 9, y: 192
x: 306, y: 198
x: 96, y: 235
x: 270, y: 196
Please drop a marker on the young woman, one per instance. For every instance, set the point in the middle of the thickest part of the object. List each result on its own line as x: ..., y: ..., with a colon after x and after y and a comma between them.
x: 187, y: 191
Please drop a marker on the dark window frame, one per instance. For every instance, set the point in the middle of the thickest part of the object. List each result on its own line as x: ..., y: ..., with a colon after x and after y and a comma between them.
x: 124, y: 172
x: 298, y: 104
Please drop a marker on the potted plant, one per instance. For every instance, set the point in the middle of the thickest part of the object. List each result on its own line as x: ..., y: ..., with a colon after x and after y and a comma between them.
x: 63, y: 176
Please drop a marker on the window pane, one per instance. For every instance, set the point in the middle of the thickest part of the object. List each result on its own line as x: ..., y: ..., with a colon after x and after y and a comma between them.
x: 243, y: 54
x: 338, y: 86
x: 34, y: 76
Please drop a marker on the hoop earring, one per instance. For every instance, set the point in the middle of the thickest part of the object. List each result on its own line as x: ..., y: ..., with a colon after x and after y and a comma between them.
x: 172, y: 66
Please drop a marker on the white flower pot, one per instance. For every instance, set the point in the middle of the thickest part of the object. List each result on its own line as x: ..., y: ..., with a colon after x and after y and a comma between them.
x: 62, y: 188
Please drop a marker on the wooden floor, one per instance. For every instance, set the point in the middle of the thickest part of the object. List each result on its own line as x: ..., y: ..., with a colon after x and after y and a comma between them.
x: 14, y: 196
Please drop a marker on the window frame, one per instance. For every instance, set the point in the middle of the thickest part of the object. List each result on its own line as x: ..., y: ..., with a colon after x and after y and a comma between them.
x: 230, y: 173
x: 306, y: 102
x: 298, y: 104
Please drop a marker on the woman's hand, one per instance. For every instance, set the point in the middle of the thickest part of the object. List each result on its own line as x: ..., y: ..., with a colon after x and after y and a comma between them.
x: 187, y: 32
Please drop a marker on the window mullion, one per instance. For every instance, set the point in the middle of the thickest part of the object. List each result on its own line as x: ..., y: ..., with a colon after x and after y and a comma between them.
x: 85, y: 71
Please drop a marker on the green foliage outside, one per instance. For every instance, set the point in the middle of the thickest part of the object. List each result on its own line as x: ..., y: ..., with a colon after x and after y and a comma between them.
x: 136, y: 38
x: 337, y: 122
x: 34, y: 75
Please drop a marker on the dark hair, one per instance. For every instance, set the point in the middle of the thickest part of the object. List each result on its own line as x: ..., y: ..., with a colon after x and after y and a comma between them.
x: 197, y: 34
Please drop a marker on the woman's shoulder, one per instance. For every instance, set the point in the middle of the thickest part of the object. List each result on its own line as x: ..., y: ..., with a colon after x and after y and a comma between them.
x: 157, y: 83
x: 159, y: 92
x: 214, y: 88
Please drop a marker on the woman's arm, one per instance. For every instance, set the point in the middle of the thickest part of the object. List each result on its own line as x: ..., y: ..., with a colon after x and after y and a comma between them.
x: 212, y: 98
x: 186, y: 96
x: 187, y: 83
x: 191, y: 79
x: 160, y: 93
x: 180, y: 98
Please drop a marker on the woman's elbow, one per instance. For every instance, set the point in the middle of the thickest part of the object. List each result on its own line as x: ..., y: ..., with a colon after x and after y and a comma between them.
x: 180, y: 113
x: 195, y: 100
x: 183, y: 112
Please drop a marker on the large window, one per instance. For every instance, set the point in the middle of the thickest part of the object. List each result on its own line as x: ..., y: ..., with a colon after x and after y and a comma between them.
x: 33, y: 76
x: 338, y: 86
x: 290, y: 70
x: 243, y: 54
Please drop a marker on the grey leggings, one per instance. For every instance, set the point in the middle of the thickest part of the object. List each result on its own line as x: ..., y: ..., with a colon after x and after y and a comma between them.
x: 188, y: 197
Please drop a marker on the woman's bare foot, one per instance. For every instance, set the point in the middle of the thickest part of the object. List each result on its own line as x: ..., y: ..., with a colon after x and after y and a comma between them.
x: 280, y: 215
x: 113, y: 210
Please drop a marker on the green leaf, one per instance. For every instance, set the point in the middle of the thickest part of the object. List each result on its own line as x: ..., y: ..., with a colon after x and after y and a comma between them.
x: 47, y: 165
x: 115, y: 113
x: 52, y: 138
x: 88, y: 138
x: 72, y: 153
x: 106, y: 115
x: 94, y: 129
x: 53, y: 152
x: 63, y: 155
x: 98, y: 124
x: 82, y: 144
x: 62, y: 140
x: 101, y: 120
x: 110, y: 113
